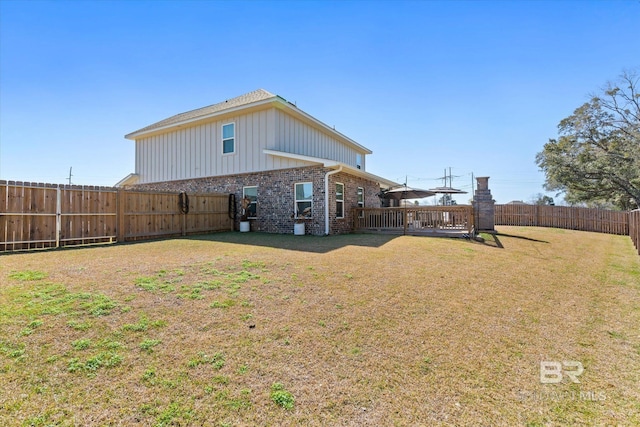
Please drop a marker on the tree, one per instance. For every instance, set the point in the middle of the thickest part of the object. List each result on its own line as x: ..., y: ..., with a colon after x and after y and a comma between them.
x: 596, y: 158
x: 447, y: 200
x: 542, y: 199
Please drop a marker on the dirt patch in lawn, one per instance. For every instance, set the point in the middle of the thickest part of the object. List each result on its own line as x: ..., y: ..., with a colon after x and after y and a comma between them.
x: 257, y: 329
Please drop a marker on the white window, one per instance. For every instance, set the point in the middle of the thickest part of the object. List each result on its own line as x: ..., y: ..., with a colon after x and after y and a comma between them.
x: 304, y: 199
x: 339, y: 200
x: 228, y: 138
x: 359, y: 161
x: 252, y: 194
x: 360, y: 196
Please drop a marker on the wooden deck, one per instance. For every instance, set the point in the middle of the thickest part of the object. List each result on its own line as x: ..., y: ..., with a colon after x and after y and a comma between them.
x: 435, y: 221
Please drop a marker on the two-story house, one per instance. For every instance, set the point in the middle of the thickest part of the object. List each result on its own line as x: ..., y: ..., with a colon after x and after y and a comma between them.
x: 289, y: 164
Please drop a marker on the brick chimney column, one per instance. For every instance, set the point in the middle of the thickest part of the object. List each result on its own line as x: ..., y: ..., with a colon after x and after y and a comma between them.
x: 484, y: 206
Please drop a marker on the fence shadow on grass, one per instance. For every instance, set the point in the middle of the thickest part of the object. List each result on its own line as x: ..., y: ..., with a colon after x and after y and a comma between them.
x: 315, y: 244
x: 493, y: 239
x: 522, y: 238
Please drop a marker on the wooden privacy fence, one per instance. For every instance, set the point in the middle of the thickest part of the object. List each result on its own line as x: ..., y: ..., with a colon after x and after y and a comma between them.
x: 634, y: 228
x: 428, y: 220
x: 598, y: 220
x: 145, y: 215
x: 47, y: 215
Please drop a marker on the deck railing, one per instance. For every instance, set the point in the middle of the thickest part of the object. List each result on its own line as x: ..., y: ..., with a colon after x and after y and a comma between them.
x: 415, y: 220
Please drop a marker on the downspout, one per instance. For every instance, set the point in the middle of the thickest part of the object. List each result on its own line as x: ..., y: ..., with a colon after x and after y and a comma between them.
x: 326, y: 198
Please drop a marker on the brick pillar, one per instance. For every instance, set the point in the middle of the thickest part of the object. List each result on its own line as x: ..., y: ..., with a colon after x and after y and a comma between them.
x: 484, y: 206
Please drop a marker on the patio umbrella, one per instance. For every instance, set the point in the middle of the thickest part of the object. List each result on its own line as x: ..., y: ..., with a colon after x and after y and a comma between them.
x: 447, y: 190
x: 403, y: 192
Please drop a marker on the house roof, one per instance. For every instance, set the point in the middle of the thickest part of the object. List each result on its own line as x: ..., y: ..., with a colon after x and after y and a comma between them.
x: 252, y: 99
x: 130, y: 179
x: 247, y: 98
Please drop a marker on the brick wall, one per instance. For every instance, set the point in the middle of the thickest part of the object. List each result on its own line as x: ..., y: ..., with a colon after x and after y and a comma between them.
x: 275, y: 206
x: 351, y: 184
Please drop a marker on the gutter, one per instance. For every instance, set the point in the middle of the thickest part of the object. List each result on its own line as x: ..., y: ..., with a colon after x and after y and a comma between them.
x: 326, y: 198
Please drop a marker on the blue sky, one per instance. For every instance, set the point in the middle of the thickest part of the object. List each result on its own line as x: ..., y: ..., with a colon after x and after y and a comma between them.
x: 476, y: 86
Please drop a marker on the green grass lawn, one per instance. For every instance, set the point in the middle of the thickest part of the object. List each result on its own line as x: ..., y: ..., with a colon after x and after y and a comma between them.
x: 255, y: 329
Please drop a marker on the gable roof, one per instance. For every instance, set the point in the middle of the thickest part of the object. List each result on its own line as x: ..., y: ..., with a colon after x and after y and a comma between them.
x: 253, y: 99
x: 247, y: 98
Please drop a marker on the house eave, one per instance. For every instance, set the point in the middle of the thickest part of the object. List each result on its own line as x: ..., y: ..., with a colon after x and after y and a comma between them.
x: 130, y: 179
x: 333, y: 164
x: 384, y: 182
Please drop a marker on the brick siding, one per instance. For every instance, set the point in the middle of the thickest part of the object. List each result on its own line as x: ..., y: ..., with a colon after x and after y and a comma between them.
x: 275, y: 205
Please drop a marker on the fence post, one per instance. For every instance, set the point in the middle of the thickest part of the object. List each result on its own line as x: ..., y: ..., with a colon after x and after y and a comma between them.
x: 354, y: 215
x: 58, y: 215
x: 628, y: 223
x: 406, y: 219
x: 120, y: 216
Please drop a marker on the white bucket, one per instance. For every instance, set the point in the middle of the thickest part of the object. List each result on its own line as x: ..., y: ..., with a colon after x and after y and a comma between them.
x: 245, y: 226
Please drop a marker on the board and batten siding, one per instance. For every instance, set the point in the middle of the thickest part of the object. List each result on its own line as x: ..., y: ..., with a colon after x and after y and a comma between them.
x: 196, y: 151
x: 295, y: 136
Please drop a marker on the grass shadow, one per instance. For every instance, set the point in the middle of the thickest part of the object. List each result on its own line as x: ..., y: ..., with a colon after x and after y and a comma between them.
x: 493, y: 239
x: 307, y: 243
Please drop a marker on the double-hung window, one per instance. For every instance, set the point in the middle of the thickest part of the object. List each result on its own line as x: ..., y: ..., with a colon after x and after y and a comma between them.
x: 339, y: 200
x: 303, y: 199
x: 252, y: 194
x: 229, y: 138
